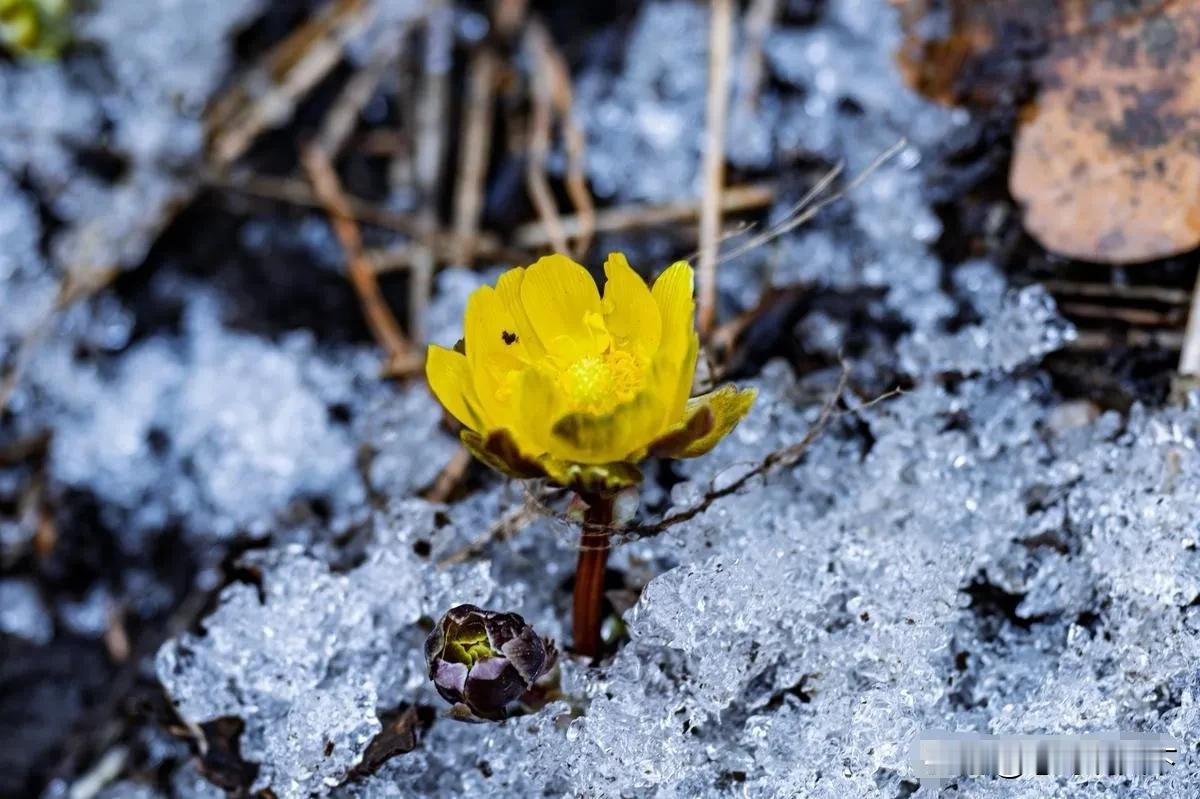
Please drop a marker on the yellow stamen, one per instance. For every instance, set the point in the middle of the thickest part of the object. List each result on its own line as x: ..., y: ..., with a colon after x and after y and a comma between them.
x: 597, y: 384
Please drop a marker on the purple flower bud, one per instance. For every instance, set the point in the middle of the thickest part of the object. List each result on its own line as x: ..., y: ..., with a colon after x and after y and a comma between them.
x: 484, y: 659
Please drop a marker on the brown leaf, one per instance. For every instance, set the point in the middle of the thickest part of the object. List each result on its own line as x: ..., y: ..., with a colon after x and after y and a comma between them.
x: 400, y: 735
x: 984, y: 52
x: 1107, y: 161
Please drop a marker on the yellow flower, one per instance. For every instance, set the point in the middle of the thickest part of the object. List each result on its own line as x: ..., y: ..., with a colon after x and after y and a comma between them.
x: 556, y: 381
x: 34, y: 27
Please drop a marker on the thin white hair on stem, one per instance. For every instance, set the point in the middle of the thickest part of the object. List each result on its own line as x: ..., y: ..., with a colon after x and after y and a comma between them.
x: 809, y: 205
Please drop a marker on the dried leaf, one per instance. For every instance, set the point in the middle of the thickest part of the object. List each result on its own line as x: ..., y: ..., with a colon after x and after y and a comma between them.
x: 1107, y: 162
x: 985, y: 52
x: 400, y: 735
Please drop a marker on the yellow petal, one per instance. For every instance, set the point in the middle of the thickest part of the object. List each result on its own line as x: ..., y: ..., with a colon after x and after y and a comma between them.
x: 450, y: 380
x: 495, y: 354
x: 20, y: 27
x: 727, y: 405
x: 508, y: 288
x: 698, y: 423
x: 615, y: 436
x: 499, y: 450
x: 490, y: 332
x: 673, y: 294
x: 537, y: 404
x: 630, y: 312
x: 563, y: 306
x: 682, y: 387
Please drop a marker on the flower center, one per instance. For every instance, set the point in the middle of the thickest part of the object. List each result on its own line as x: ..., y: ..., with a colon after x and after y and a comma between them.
x: 467, y: 645
x: 598, y: 383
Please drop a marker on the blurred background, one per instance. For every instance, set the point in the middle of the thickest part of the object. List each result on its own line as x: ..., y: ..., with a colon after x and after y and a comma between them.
x: 229, y: 227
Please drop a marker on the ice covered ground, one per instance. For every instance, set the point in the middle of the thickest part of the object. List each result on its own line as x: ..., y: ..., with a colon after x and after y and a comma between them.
x: 974, y: 554
x: 104, y: 141
x: 977, y: 558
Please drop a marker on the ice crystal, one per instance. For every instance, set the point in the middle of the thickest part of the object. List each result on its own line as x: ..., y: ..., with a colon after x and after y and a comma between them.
x: 236, y: 426
x: 1024, y: 327
x: 22, y: 612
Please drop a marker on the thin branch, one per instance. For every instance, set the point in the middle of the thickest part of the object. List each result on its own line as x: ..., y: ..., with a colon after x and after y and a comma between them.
x: 516, y: 519
x: 380, y: 320
x: 300, y: 193
x: 554, y: 66
x: 75, y: 285
x: 577, y: 188
x: 1133, y: 316
x: 508, y: 16
x: 477, y: 112
x: 801, y: 214
x: 450, y: 477
x: 1189, y: 357
x: 825, y: 181
x: 760, y: 17
x: 720, y: 38
x: 637, y: 215
x: 1105, y: 340
x: 342, y: 118
x: 780, y: 457
x: 400, y: 257
x: 267, y: 93
x: 432, y: 106
x: 538, y: 148
x: 530, y: 237
x: 1118, y: 291
x: 106, y: 771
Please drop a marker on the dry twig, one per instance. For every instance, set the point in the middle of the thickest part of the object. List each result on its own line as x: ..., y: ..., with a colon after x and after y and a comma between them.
x: 432, y: 104
x: 542, y: 119
x: 300, y: 193
x: 268, y: 92
x: 1189, y: 357
x: 383, y: 325
x: 509, y: 525
x: 533, y: 236
x: 1106, y: 340
x: 552, y: 97
x: 107, y: 769
x: 473, y: 155
x: 720, y: 37
x: 477, y: 113
x: 806, y: 208
x: 780, y: 457
x: 1133, y: 316
x: 573, y: 140
x: 1117, y: 291
x: 760, y: 17
x: 636, y: 215
x: 74, y: 286
x: 450, y: 477
x: 339, y: 123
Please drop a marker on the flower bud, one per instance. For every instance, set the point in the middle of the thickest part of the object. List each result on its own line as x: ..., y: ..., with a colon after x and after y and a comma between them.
x: 485, y: 659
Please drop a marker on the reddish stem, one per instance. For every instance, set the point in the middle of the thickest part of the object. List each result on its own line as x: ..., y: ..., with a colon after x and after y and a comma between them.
x: 589, y: 575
